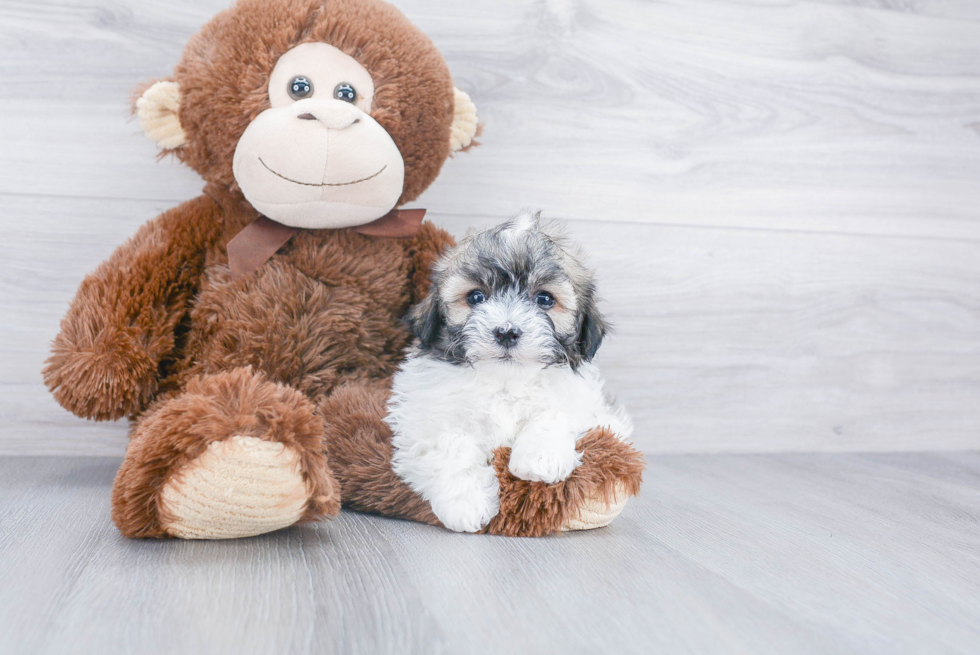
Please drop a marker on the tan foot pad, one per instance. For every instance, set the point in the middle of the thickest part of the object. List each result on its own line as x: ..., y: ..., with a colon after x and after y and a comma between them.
x: 239, y: 487
x: 596, y: 513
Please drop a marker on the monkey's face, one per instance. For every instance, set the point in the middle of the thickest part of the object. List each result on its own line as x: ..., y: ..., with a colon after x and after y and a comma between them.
x: 316, y: 158
x: 323, y: 114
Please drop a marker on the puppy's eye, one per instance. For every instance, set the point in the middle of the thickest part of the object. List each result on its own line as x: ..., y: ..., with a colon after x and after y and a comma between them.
x: 300, y: 87
x: 345, y: 92
x: 545, y: 300
x: 475, y: 297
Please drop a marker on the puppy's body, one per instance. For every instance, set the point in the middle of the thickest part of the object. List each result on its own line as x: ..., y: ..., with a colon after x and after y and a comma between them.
x: 448, y: 420
x: 508, y: 370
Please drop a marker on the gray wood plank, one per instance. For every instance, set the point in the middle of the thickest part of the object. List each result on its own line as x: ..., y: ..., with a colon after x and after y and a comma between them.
x: 737, y: 554
x: 725, y: 340
x: 815, y: 116
x: 957, y: 9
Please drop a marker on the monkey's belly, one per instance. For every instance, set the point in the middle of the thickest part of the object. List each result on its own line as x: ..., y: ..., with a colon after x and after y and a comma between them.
x: 306, y: 333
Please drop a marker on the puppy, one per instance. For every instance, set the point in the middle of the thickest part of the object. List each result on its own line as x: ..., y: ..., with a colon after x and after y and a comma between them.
x: 506, y: 338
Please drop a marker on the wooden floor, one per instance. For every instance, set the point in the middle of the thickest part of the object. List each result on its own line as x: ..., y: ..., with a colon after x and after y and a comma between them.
x: 751, y: 554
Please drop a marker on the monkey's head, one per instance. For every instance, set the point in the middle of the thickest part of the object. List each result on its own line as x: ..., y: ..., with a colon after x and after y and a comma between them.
x: 324, y: 113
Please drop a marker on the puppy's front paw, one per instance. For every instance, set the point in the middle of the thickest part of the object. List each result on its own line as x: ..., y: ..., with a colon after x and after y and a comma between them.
x: 548, y: 464
x: 466, y: 512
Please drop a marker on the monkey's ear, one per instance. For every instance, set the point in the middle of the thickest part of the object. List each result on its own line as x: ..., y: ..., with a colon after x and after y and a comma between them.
x: 465, y: 122
x: 158, y: 109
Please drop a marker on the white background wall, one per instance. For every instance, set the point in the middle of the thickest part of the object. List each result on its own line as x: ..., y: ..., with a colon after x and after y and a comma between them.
x: 782, y: 198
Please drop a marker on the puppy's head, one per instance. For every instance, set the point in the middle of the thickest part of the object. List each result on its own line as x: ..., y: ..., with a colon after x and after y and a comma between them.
x: 514, y: 293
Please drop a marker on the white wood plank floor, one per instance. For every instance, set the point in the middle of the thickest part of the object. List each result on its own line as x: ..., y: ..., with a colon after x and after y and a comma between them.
x: 756, y: 554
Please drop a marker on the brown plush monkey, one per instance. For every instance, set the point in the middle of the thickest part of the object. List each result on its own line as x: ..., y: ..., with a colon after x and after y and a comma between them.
x: 251, y: 333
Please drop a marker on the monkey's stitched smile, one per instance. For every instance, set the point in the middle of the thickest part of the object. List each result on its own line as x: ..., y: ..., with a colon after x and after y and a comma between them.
x: 364, y: 179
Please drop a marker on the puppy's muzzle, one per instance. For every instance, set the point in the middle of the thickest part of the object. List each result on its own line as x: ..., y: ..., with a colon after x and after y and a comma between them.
x: 507, y: 335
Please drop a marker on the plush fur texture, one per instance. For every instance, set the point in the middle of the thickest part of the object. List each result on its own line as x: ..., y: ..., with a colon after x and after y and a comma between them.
x: 324, y: 312
x: 123, y: 330
x: 534, y: 509
x: 224, y: 76
x: 176, y: 430
x: 300, y: 351
x: 503, y: 360
x: 360, y: 448
x: 360, y: 451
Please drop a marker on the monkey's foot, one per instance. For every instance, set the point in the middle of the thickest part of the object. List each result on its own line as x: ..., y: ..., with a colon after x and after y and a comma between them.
x: 239, y: 487
x: 233, y: 455
x: 597, y: 512
x: 591, y: 497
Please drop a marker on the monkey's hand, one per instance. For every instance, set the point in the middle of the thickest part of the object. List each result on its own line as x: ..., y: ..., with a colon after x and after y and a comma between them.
x: 100, y: 371
x: 105, y: 363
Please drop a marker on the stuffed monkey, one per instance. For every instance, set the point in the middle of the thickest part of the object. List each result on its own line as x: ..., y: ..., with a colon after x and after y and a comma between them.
x: 251, y: 333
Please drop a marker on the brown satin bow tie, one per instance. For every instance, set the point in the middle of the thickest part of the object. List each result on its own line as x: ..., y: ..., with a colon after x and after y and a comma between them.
x: 260, y: 239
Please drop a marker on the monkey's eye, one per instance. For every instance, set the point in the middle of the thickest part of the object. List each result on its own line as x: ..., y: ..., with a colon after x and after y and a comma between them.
x: 545, y: 300
x: 300, y: 87
x: 345, y: 92
x: 475, y: 297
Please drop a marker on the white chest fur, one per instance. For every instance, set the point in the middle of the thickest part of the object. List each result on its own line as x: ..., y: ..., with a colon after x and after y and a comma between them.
x: 448, y: 419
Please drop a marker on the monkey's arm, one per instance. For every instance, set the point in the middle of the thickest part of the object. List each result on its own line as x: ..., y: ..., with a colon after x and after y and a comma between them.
x: 423, y: 250
x: 121, y: 325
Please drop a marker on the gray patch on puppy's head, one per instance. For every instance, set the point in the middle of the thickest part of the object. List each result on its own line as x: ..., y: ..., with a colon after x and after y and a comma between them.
x: 514, y: 265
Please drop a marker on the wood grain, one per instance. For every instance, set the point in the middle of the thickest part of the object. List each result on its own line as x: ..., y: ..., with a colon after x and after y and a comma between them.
x: 737, y: 554
x: 789, y: 115
x: 725, y: 340
x: 781, y: 199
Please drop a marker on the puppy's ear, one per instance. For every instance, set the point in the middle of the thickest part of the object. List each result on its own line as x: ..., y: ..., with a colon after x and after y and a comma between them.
x: 426, y: 319
x: 592, y: 327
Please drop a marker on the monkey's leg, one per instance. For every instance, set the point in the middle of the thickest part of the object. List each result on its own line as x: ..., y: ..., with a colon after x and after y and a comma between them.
x: 233, y: 455
x: 359, y: 445
x: 595, y: 493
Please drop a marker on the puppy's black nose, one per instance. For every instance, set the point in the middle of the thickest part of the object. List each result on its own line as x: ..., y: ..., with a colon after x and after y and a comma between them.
x: 508, y: 336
